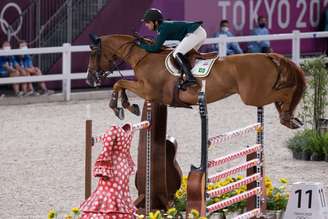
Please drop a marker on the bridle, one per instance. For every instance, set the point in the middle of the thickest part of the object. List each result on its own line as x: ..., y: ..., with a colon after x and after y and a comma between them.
x: 101, y: 74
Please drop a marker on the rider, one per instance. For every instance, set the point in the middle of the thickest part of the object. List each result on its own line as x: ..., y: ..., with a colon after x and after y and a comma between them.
x: 191, y: 35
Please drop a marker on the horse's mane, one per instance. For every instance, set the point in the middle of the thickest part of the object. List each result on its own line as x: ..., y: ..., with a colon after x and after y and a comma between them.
x: 127, y: 37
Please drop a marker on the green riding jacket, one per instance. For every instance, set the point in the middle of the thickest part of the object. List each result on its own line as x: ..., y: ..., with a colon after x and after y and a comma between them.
x: 170, y: 30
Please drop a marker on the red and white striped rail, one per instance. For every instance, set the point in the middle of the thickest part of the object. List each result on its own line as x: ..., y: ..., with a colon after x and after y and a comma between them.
x: 141, y: 125
x: 250, y: 214
x: 234, y: 199
x: 213, y: 141
x: 234, y: 170
x: 233, y: 156
x: 233, y: 186
x: 137, y: 126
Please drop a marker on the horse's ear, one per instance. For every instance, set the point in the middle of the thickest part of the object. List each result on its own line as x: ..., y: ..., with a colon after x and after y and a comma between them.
x: 94, y: 38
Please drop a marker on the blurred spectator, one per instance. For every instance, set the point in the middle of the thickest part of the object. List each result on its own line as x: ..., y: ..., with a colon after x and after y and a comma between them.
x: 26, y: 64
x: 264, y: 45
x: 232, y: 47
x: 8, y: 69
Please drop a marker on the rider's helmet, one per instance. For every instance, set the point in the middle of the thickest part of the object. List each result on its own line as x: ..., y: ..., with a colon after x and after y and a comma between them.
x: 152, y: 14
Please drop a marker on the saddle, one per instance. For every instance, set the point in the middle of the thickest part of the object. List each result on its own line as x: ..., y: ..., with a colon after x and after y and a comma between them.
x: 192, y: 56
x: 200, y: 63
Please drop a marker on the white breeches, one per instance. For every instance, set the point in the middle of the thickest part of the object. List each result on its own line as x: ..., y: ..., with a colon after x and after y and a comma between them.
x: 191, y: 41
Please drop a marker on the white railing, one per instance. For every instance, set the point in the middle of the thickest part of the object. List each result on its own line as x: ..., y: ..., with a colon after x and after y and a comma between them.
x: 66, y: 76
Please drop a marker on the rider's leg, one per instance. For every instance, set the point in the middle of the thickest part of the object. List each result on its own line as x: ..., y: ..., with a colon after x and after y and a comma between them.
x: 185, y: 69
x: 191, y: 41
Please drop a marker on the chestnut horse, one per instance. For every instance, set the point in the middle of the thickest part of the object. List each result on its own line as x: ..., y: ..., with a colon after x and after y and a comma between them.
x: 259, y: 79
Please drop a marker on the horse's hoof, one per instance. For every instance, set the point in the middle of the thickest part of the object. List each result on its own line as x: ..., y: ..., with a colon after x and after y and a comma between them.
x: 299, y: 122
x: 119, y: 112
x: 292, y: 124
x: 135, y: 109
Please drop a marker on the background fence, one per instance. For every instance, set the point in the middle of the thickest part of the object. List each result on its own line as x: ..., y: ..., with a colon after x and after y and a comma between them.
x: 66, y: 52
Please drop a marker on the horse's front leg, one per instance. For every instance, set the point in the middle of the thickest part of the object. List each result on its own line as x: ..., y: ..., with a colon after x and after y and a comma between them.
x: 134, y: 108
x: 120, y: 86
x: 119, y: 112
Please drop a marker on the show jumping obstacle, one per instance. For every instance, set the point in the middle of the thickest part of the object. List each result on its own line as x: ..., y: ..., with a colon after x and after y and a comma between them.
x: 197, y: 183
x: 89, y: 142
x: 158, y: 174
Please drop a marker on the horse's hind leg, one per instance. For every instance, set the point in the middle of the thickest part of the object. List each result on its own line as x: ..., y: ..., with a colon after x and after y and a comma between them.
x: 286, y: 110
x: 134, y: 108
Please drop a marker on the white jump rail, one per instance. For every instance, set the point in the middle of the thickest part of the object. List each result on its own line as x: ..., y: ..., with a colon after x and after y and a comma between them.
x: 234, y: 199
x: 233, y: 156
x: 234, y: 170
x: 213, y: 141
x: 235, y: 185
x: 66, y: 76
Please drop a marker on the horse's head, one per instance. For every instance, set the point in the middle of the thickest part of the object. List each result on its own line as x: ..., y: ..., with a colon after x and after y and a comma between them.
x: 101, y: 62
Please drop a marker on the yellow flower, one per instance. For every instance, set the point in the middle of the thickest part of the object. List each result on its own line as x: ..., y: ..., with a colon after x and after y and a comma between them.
x: 277, y: 197
x: 229, y: 179
x: 268, y: 184
x: 195, y: 213
x: 179, y: 194
x: 266, y: 178
x: 140, y: 216
x: 224, y: 183
x: 282, y: 188
x: 172, y: 211
x: 283, y: 180
x: 243, y: 188
x: 52, y: 214
x: 269, y: 192
x: 210, y: 187
x: 240, y: 177
x: 152, y: 215
x: 68, y: 216
x: 75, y: 211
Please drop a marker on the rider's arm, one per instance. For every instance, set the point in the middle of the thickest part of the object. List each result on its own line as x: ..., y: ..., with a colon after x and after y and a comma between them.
x: 156, y: 46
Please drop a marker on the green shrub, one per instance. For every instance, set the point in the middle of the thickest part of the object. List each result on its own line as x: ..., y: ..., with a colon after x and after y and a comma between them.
x: 309, y: 141
x: 315, y: 97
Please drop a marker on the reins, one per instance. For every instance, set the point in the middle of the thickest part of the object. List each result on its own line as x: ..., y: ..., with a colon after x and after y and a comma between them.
x: 114, y: 65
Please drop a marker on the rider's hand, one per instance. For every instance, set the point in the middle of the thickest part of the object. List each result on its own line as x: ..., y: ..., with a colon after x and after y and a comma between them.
x: 138, y: 39
x: 138, y: 42
x: 137, y: 35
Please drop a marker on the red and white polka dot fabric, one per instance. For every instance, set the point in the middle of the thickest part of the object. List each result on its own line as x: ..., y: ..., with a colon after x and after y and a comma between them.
x: 111, y: 199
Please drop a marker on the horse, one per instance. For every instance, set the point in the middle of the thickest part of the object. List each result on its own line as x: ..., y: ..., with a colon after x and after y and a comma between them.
x: 259, y: 79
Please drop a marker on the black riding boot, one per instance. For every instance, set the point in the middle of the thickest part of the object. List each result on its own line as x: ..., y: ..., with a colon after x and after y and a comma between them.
x: 185, y: 69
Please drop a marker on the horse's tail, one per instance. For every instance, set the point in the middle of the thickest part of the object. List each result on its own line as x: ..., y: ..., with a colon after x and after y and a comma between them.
x: 300, y: 83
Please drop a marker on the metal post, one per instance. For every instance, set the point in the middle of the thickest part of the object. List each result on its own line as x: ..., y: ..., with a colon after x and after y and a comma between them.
x: 296, y: 56
x: 99, y: 4
x: 69, y: 21
x: 259, y: 200
x: 38, y: 28
x: 66, y: 71
x: 88, y: 157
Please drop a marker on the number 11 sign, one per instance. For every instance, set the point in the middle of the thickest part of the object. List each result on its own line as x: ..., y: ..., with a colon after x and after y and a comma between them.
x: 307, y: 201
